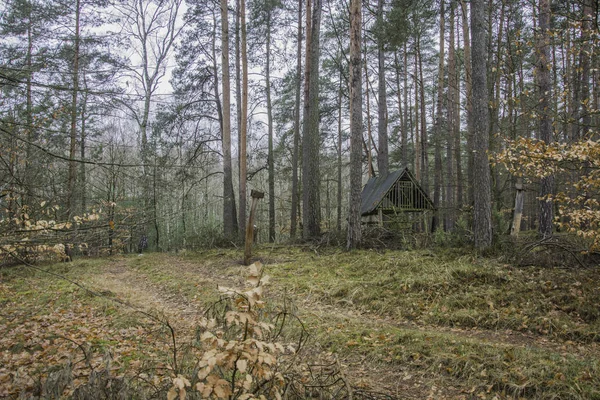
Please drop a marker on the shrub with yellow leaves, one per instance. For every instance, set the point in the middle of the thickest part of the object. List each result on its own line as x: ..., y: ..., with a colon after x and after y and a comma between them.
x: 241, y: 358
x: 28, y: 235
x: 577, y: 166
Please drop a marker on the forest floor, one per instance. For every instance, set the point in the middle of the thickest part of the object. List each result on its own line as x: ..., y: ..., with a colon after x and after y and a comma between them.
x: 400, y: 324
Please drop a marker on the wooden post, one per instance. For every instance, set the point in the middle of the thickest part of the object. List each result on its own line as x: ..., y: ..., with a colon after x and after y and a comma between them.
x: 256, y: 195
x: 516, y: 226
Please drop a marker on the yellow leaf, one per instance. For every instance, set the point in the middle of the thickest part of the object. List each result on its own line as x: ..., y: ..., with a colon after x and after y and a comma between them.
x: 172, y: 394
x: 242, y: 365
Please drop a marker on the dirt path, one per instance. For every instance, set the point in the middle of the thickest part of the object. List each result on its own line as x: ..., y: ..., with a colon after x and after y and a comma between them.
x: 135, y: 289
x: 127, y: 283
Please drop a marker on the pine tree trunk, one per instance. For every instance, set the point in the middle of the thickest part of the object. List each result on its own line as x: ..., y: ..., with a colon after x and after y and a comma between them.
x: 229, y: 214
x: 311, y: 178
x: 243, y: 121
x: 72, y: 177
x: 401, y: 114
x: 368, y: 149
x: 82, y: 169
x: 424, y: 140
x: 270, y: 159
x: 469, y: 104
x: 544, y: 110
x: 416, y: 133
x: 407, y: 113
x: 382, y: 124
x: 356, y: 127
x: 453, y: 125
x: 437, y: 177
x: 586, y: 101
x: 482, y: 209
x: 339, y: 156
x: 295, y: 155
x: 29, y: 115
x: 241, y: 135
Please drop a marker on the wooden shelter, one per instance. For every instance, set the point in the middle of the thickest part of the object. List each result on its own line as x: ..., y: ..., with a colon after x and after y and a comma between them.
x: 396, y: 194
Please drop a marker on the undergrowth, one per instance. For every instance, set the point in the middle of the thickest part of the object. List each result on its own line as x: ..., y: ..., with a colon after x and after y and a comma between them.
x: 483, y: 326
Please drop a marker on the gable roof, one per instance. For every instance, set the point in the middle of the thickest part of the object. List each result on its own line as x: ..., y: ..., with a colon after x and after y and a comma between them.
x: 379, y: 186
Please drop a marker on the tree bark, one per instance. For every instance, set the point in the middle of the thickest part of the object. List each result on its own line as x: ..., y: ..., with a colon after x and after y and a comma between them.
x: 544, y: 110
x: 437, y: 177
x: 295, y: 195
x: 369, y: 142
x: 270, y: 155
x: 242, y: 134
x: 339, y: 155
x: 382, y: 124
x: 407, y: 113
x: 354, y: 237
x: 424, y: 140
x: 401, y: 113
x: 453, y: 124
x: 82, y: 169
x: 311, y: 141
x: 229, y: 214
x: 416, y: 133
x: 469, y: 104
x: 482, y: 211
x: 72, y: 177
x: 243, y: 120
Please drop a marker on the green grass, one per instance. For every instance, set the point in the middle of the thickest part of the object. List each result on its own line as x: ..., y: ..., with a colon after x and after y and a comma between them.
x: 457, y: 292
x: 484, y: 326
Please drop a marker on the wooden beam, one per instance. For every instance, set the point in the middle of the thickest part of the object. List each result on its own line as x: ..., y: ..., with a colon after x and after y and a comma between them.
x: 256, y: 195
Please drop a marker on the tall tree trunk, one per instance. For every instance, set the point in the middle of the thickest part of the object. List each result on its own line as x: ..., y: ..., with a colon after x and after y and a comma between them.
x: 243, y: 120
x: 482, y: 210
x: 458, y: 168
x: 407, y: 113
x: 339, y: 155
x: 229, y: 213
x: 155, y: 204
x: 295, y: 155
x: 586, y: 101
x: 382, y: 124
x: 424, y: 140
x: 401, y: 113
x: 311, y: 142
x: 270, y: 156
x: 544, y: 110
x: 29, y: 114
x: 73, y: 131
x: 242, y: 165
x: 467, y: 40
x: 416, y: 132
x: 370, y: 141
x: 453, y: 124
x: 495, y: 111
x: 437, y: 177
x: 356, y: 126
x: 82, y: 170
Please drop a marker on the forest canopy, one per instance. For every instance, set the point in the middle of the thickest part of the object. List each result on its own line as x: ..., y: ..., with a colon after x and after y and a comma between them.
x: 127, y: 124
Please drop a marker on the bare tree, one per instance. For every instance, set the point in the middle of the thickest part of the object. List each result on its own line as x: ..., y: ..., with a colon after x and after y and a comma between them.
x: 152, y: 27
